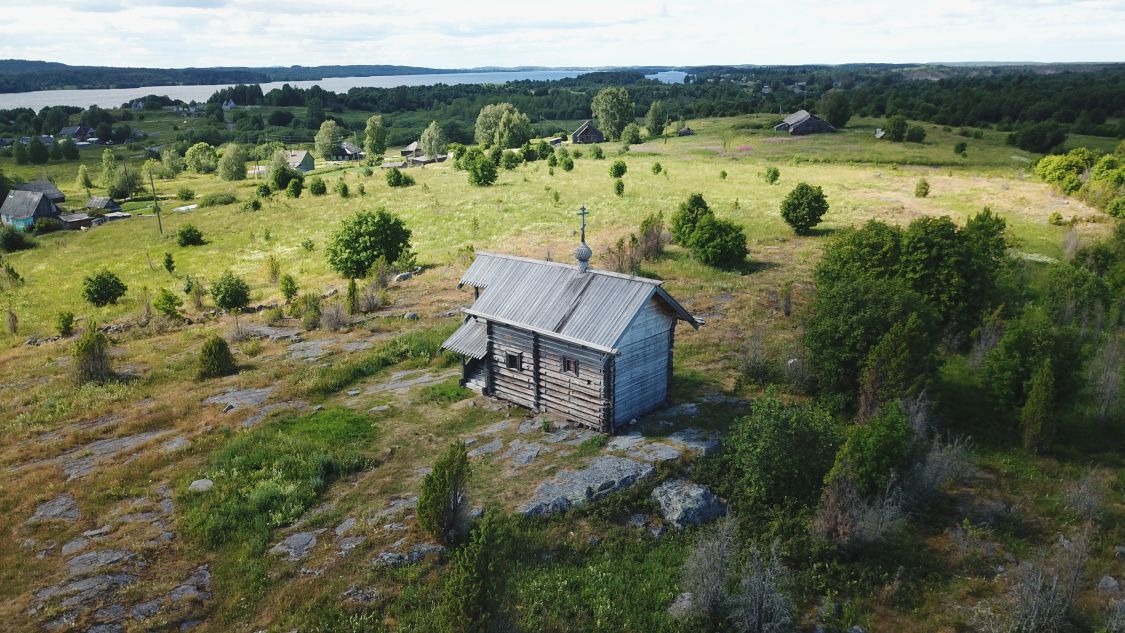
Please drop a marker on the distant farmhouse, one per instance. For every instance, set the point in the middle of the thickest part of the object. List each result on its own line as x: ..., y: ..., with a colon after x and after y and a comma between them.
x: 22, y: 208
x: 802, y: 122
x: 348, y: 151
x: 229, y: 105
x: 75, y: 132
x: 587, y: 133
x: 592, y: 346
x: 301, y: 160
x: 102, y: 204
x: 414, y: 149
x: 45, y: 187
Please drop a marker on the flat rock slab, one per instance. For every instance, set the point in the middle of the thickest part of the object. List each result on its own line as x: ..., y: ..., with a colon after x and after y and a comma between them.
x: 523, y: 453
x: 201, y: 485
x: 603, y: 476
x: 61, y: 508
x: 176, y: 443
x: 84, y: 564
x: 684, y: 503
x: 348, y: 543
x: 414, y: 555
x: 85, y: 591
x: 485, y: 449
x: 273, y: 333
x: 499, y: 427
x: 409, y: 378
x: 395, y: 508
x: 80, y: 462
x: 356, y: 346
x: 308, y: 350
x: 295, y: 546
x: 625, y: 442
x: 656, y: 452
x: 272, y: 408
x: 687, y: 409
x: 1109, y: 585
x: 345, y: 526
x: 697, y: 440
x: 240, y: 398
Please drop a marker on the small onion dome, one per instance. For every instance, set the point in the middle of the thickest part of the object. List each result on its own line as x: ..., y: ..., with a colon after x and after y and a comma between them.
x: 583, y: 255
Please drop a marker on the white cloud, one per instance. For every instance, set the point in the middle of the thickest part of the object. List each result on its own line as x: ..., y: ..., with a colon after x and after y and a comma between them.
x: 448, y: 34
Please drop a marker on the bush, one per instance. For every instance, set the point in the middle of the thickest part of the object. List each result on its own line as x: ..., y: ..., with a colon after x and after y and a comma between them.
x: 253, y: 204
x: 480, y: 168
x: 922, y: 188
x: 718, y: 243
x: 103, y: 288
x: 65, y: 323
x: 230, y: 292
x: 567, y: 163
x: 896, y: 128
x: 263, y: 191
x: 915, y: 134
x: 960, y: 147
x: 217, y: 199
x: 1116, y: 207
x: 686, y: 218
x: 168, y: 304
x: 442, y: 502
x: 631, y: 134
x: 618, y: 169
x: 317, y: 186
x: 596, y: 152
x: 761, y: 602
x: 1037, y: 415
x: 44, y: 226
x: 294, y: 188
x: 511, y: 160
x: 215, y: 359
x: 803, y: 207
x: 288, y: 286
x: 657, y: 168
x: 363, y: 239
x: 13, y: 239
x: 395, y: 178
x: 91, y: 356
x: 876, y: 452
x: 707, y: 569
x: 188, y: 235
x: 185, y: 194
x: 169, y: 263
x: 619, y: 187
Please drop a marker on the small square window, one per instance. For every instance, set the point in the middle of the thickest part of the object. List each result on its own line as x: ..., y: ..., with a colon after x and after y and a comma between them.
x: 514, y: 361
x: 570, y: 365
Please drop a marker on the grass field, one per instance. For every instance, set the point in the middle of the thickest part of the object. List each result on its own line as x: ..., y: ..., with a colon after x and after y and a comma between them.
x: 375, y: 455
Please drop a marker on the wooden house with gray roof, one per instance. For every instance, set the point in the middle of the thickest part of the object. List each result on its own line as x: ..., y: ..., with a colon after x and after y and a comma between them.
x: 803, y: 122
x: 22, y: 208
x: 588, y: 345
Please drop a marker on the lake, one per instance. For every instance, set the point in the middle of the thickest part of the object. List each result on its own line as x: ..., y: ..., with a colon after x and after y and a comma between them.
x: 112, y: 98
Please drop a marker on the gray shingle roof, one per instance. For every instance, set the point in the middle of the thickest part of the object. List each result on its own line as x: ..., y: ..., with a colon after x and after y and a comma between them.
x: 592, y: 309
x: 44, y: 187
x: 471, y: 339
x: 797, y: 117
x: 102, y: 202
x: 21, y: 205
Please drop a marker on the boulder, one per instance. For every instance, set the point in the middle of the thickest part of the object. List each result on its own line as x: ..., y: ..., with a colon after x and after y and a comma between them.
x: 1109, y: 585
x: 410, y: 316
x: 201, y: 485
x: 485, y: 449
x: 685, y: 503
x: 603, y: 476
x: 401, y: 277
x: 295, y: 546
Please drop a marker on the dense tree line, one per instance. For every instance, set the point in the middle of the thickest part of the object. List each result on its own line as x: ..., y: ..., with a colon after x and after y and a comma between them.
x: 26, y: 76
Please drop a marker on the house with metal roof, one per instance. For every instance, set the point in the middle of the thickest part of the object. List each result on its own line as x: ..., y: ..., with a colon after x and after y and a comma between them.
x: 803, y: 122
x: 587, y: 133
x: 301, y: 160
x: 22, y: 208
x: 102, y: 204
x: 591, y: 346
x: 45, y: 187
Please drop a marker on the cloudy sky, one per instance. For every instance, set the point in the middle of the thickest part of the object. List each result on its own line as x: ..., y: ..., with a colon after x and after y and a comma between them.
x: 467, y: 33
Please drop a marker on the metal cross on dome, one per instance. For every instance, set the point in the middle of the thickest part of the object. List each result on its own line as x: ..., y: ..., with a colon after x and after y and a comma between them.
x: 582, y: 212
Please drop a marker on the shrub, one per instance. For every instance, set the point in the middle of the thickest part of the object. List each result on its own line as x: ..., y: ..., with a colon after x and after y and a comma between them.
x: 876, y: 452
x: 441, y: 502
x: 307, y: 244
x: 761, y: 602
x: 473, y: 583
x: 707, y: 569
x: 395, y: 178
x: 168, y: 304
x: 317, y: 186
x: 188, y: 235
x: 960, y: 147
x: 364, y: 238
x: 803, y: 207
x: 230, y: 292
x: 631, y: 134
x: 13, y: 239
x: 922, y: 188
x: 273, y: 269
x: 686, y: 218
x: 215, y: 359
x: 618, y: 169
x: 480, y: 168
x: 44, y: 226
x: 253, y: 204
x: 722, y: 174
x: 288, y: 286
x: 64, y: 322
x: 657, y: 168
x: 351, y: 298
x: 1116, y: 207
x: 596, y: 152
x: 91, y: 356
x: 103, y: 288
x: 915, y: 134
x: 294, y: 188
x: 619, y: 187
x: 263, y: 191
x: 169, y: 263
x: 309, y: 309
x: 217, y: 199
x: 273, y: 316
x: 332, y: 317
x: 896, y: 128
x: 1037, y: 414
x: 718, y: 243
x: 511, y: 160
x: 567, y: 163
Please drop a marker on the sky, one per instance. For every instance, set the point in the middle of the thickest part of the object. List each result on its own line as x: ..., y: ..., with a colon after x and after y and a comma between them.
x: 574, y: 33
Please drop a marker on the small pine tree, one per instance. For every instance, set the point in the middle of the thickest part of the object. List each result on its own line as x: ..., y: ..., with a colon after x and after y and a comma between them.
x: 91, y: 356
x: 922, y: 189
x: 351, y: 299
x: 169, y: 263
x: 619, y: 187
x: 65, y: 323
x: 473, y: 582
x: 442, y: 499
x: 215, y: 359
x: 294, y: 188
x: 1037, y: 415
x: 288, y: 286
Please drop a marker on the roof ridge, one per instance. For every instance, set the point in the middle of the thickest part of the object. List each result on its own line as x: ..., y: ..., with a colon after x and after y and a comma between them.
x: 596, y: 271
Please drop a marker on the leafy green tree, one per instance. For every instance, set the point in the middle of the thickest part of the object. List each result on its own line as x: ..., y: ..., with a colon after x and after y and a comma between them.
x: 613, y: 108
x: 771, y: 174
x: 327, y: 140
x: 687, y: 217
x: 915, y: 134
x: 230, y: 292
x: 82, y: 181
x: 1039, y: 138
x: 874, y: 250
x: 109, y: 168
x: 442, y: 499
x: 37, y: 153
x: 433, y: 141
x: 65, y: 323
x: 876, y: 452
x: 779, y: 454
x: 201, y: 158
x: 188, y: 235
x: 618, y: 169
x: 631, y: 134
x: 172, y: 162
x: 375, y: 137
x: 363, y: 239
x: 168, y: 304
x: 19, y: 152
x: 215, y: 359
x: 480, y: 168
x: 1037, y: 417
x: 1073, y: 294
x: 503, y: 125
x: 835, y: 107
x: 1029, y: 340
x: 288, y: 286
x: 91, y: 356
x: 125, y: 184
x: 803, y: 207
x: 232, y: 165
x: 896, y: 128
x: 718, y: 243
x: 317, y: 186
x: 280, y: 173
x: 656, y: 119
x: 103, y: 288
x: 396, y: 178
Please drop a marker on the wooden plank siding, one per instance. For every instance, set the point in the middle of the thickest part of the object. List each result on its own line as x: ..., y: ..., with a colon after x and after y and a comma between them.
x: 642, y: 370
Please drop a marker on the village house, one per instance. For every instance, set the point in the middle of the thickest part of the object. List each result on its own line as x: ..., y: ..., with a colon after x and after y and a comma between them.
x: 102, y: 204
x: 587, y: 133
x: 75, y: 221
x: 75, y: 132
x: 414, y: 149
x: 588, y: 345
x: 22, y: 208
x: 802, y: 122
x: 45, y: 187
x: 301, y: 160
x: 229, y: 105
x: 348, y: 151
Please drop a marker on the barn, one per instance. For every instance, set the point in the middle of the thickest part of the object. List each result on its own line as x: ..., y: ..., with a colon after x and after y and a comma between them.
x: 802, y: 122
x: 591, y: 346
x: 587, y: 133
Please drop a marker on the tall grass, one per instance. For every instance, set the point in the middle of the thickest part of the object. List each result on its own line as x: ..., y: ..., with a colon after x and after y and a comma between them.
x: 420, y: 345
